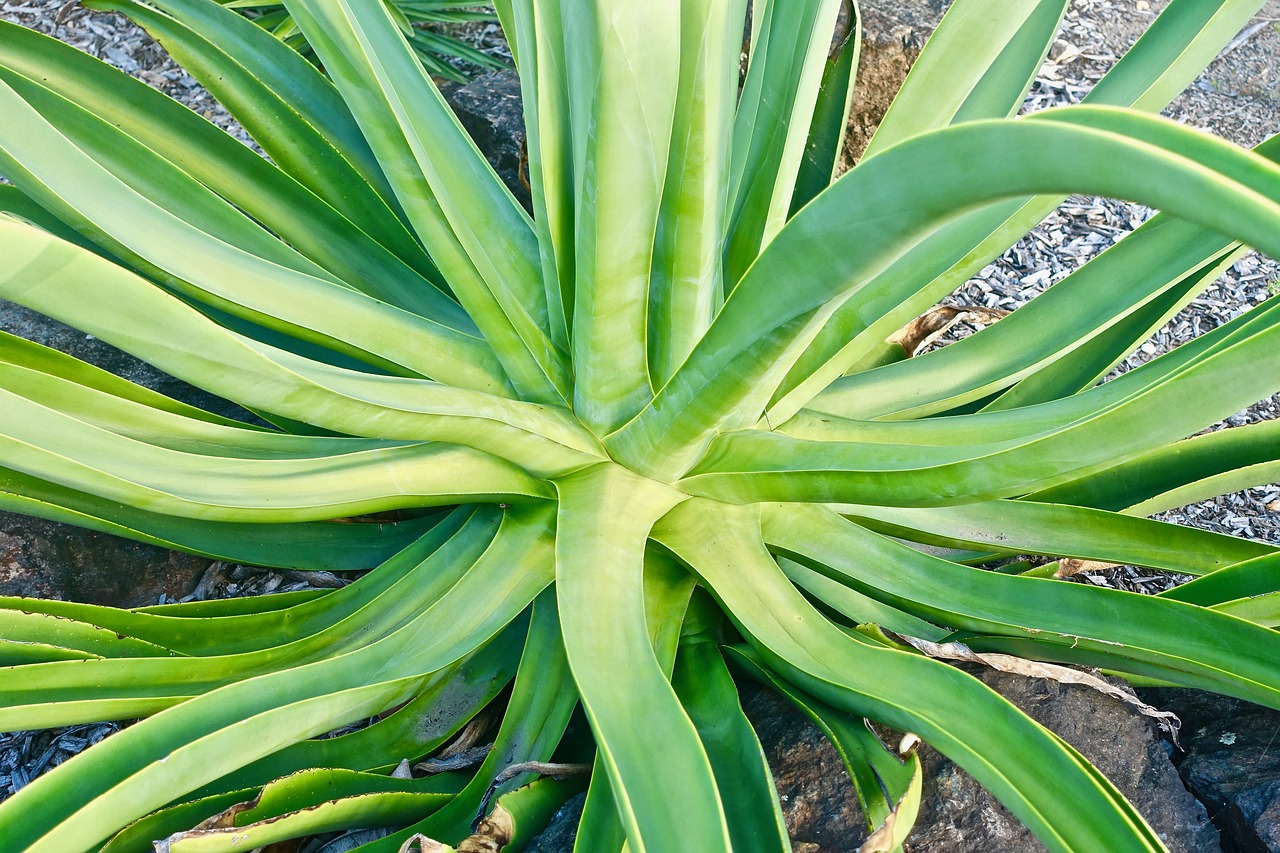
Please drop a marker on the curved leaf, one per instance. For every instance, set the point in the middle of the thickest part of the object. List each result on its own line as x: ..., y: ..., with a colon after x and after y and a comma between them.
x: 605, y: 516
x: 708, y: 694
x: 146, y: 765
x: 81, y: 192
x: 1199, y: 467
x: 801, y: 279
x: 288, y: 106
x: 236, y: 173
x: 1062, y: 530
x: 1184, y: 39
x: 1038, y: 776
x: 473, y: 228
x: 1064, y: 621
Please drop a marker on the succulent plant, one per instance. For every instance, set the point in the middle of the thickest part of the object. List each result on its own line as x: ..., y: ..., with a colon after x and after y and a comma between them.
x: 609, y: 457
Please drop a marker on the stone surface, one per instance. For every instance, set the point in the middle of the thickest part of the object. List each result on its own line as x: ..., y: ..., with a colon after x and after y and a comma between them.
x: 48, y: 560
x: 489, y: 107
x: 961, y: 816
x: 1232, y: 763
x: 559, y: 835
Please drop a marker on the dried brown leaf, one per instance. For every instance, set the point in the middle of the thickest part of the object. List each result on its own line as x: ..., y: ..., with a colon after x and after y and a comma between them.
x: 1053, y: 672
x: 226, y: 819
x: 494, y: 833
x: 419, y: 843
x: 937, y: 321
x: 1069, y: 566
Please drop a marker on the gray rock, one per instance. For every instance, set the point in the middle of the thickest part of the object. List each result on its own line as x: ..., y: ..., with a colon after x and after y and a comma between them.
x: 560, y: 834
x: 47, y: 560
x: 1232, y: 763
x: 961, y: 816
x: 489, y: 107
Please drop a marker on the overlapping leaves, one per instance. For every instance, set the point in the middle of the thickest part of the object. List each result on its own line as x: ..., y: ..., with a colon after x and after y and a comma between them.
x: 612, y: 454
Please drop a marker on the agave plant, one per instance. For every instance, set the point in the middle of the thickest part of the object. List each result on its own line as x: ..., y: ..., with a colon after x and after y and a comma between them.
x: 419, y: 20
x: 623, y: 451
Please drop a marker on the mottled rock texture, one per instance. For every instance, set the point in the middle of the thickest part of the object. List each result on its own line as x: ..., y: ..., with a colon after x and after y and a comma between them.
x: 1232, y: 763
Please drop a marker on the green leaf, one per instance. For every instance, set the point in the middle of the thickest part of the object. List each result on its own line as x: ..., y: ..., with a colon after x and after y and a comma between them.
x: 15, y: 204
x: 1248, y: 578
x: 686, y: 287
x: 1185, y: 37
x: 515, y: 558
x: 879, y: 777
x: 146, y: 765
x: 473, y: 228
x: 800, y: 280
x: 312, y: 802
x: 1199, y: 467
x: 289, y: 108
x: 823, y: 150
x: 856, y: 607
x: 1036, y: 775
x: 1059, y: 530
x: 452, y: 697
x: 1163, y: 255
x: 1055, y: 620
x: 624, y: 62
x: 789, y: 46
x: 605, y: 515
x: 316, y: 546
x: 233, y: 171
x: 542, y: 699
x: 57, y: 279
x: 138, y: 835
x: 83, y: 193
x: 269, y: 625
x: 708, y: 694
x: 241, y: 488
x: 600, y: 828
x: 1039, y: 447
x: 1179, y: 44
x: 535, y: 33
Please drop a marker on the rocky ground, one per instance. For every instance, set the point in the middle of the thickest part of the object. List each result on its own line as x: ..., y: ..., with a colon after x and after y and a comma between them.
x: 1229, y: 760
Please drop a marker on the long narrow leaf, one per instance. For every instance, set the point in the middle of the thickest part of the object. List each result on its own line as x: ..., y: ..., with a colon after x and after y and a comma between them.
x: 602, y: 528
x: 310, y: 131
x: 789, y: 45
x: 979, y: 63
x: 1039, y: 777
x: 626, y: 57
x: 729, y: 378
x: 477, y: 234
